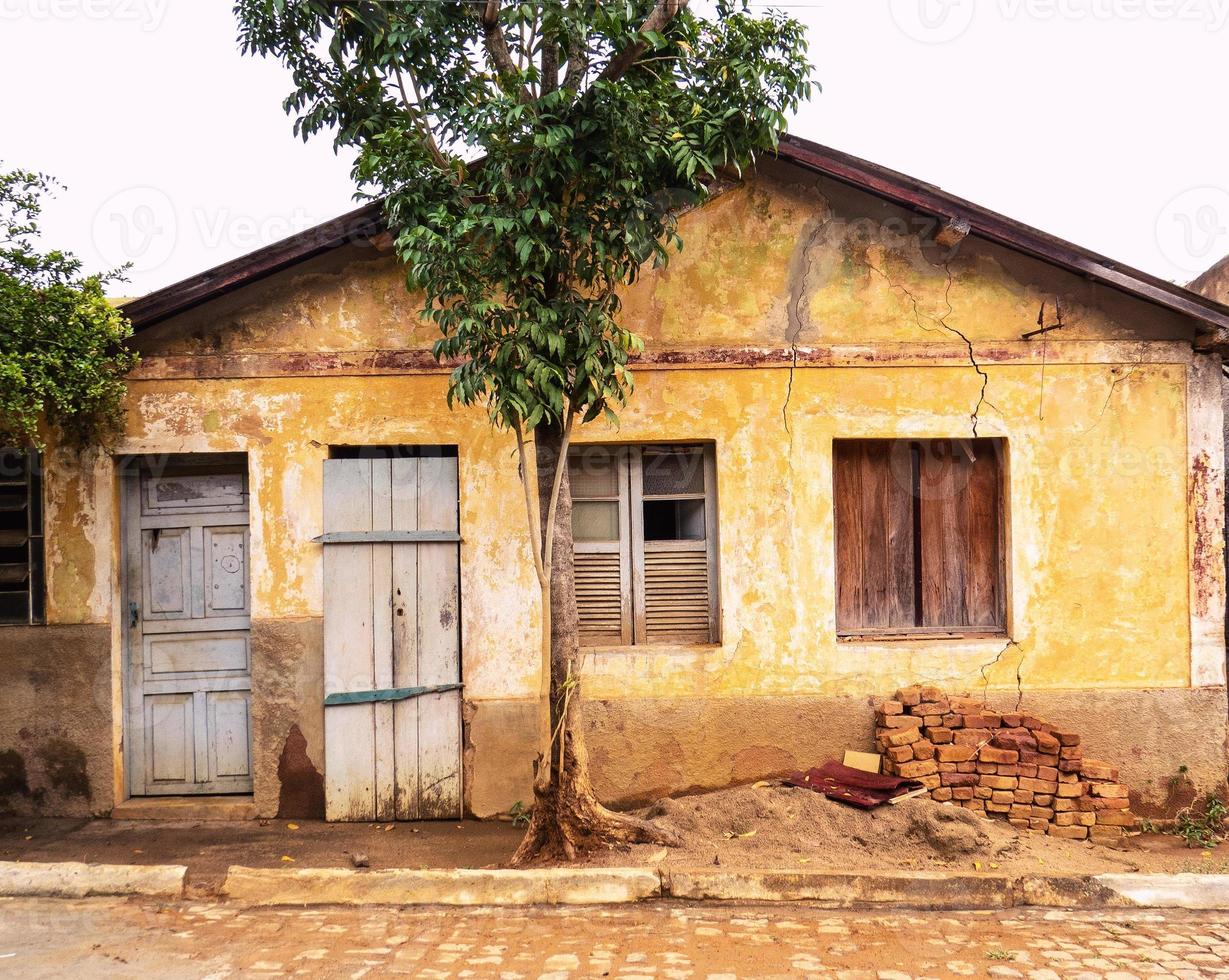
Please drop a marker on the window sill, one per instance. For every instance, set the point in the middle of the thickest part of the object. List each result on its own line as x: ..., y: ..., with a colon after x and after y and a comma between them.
x: 652, y: 648
x: 904, y: 636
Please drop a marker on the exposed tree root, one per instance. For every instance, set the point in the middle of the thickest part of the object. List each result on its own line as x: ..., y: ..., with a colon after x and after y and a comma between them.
x: 568, y: 821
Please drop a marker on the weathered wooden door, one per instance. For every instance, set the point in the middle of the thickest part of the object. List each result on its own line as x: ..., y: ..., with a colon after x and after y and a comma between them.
x: 187, y: 611
x: 391, y: 625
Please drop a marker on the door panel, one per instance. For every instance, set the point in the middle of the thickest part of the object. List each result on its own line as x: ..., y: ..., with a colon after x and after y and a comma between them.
x: 392, y: 620
x: 167, y: 572
x: 169, y: 738
x: 226, y: 578
x: 188, y: 676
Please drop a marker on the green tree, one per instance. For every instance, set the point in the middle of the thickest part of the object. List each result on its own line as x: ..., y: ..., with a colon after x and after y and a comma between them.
x: 62, y: 353
x: 532, y: 158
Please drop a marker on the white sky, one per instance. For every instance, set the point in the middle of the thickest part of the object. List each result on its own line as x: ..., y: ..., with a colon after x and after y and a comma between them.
x: 1101, y: 121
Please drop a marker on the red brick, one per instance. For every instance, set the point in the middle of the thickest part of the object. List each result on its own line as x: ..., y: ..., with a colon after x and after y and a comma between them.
x: 954, y: 753
x: 957, y: 779
x: 971, y: 736
x: 1014, y: 740
x: 1075, y: 819
x: 906, y: 736
x: 1011, y: 721
x: 909, y: 695
x: 986, y: 768
x: 941, y: 795
x: 1068, y: 739
x: 1118, y: 803
x: 923, y: 749
x: 1021, y: 812
x: 901, y: 721
x: 999, y: 782
x: 1071, y: 752
x: 1046, y: 743
x: 962, y: 792
x: 991, y: 754
x: 903, y: 753
x: 966, y: 766
x: 1027, y: 769
x: 912, y: 770
x: 993, y: 807
x: 1071, y: 790
x: 1022, y: 796
x: 947, y: 767
x: 930, y: 782
x: 1093, y: 769
x: 890, y: 708
x: 1105, y: 835
x: 1038, y: 758
x: 1047, y: 772
x: 1109, y: 790
x: 1115, y: 818
x: 1071, y: 833
x: 982, y: 721
x: 940, y: 736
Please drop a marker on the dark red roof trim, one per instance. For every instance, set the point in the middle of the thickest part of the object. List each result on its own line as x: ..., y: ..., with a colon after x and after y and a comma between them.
x: 365, y: 222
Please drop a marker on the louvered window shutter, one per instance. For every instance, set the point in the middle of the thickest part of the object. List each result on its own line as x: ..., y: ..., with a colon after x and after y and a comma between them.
x: 601, y: 547
x: 673, y: 544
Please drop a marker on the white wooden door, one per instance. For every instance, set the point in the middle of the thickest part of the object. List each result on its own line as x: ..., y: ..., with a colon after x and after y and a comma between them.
x: 391, y: 625
x: 187, y: 617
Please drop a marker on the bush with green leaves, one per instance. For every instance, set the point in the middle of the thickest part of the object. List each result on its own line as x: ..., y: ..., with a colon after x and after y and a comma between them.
x: 62, y: 344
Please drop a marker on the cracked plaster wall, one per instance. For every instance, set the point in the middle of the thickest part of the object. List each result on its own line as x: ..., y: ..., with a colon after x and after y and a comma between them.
x: 866, y: 329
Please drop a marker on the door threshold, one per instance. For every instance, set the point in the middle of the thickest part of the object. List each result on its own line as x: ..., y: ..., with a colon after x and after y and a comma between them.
x: 185, y: 808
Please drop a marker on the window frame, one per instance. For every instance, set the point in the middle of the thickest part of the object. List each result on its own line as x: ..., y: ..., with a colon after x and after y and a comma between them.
x: 35, y: 536
x: 1000, y: 629
x: 632, y: 546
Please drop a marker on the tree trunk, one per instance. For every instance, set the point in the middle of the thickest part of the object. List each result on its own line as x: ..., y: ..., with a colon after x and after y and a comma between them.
x: 567, y: 818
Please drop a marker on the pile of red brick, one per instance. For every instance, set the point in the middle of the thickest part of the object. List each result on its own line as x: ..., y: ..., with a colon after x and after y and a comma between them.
x: 1014, y: 766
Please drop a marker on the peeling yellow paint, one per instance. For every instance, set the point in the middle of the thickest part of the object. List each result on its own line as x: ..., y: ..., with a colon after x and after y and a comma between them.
x: 1097, y: 486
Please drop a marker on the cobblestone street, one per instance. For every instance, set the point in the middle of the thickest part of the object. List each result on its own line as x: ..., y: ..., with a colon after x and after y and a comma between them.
x: 115, y: 938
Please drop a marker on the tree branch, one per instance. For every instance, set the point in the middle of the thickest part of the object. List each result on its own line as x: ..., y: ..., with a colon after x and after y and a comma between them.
x: 577, y: 58
x: 498, y: 53
x: 664, y: 11
x: 535, y: 527
x: 420, y: 120
x: 548, y: 546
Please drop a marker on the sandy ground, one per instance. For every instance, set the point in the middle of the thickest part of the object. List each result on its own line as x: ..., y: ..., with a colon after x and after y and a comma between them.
x: 779, y: 827
x: 761, y: 826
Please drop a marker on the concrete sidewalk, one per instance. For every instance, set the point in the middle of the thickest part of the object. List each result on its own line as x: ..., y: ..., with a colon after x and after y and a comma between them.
x: 208, y: 849
x: 929, y: 891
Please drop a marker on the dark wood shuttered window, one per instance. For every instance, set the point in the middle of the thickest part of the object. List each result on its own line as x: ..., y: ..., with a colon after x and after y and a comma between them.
x: 644, y: 539
x: 21, y: 537
x: 919, y: 536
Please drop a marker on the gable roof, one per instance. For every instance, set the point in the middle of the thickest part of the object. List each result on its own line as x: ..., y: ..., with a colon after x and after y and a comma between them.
x: 898, y: 188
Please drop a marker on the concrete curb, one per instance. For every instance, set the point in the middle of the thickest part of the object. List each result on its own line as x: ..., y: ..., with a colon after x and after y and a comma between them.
x: 939, y: 891
x: 342, y: 886
x: 922, y: 889
x: 934, y: 890
x: 73, y: 879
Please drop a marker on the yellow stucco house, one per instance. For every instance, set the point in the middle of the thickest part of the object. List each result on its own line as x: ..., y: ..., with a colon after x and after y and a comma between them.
x: 880, y: 436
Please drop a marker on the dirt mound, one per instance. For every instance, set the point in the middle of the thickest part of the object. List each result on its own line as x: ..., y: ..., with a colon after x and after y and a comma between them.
x: 777, y: 826
x: 799, y: 821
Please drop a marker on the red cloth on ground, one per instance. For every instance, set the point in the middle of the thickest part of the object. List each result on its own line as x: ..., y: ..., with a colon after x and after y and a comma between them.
x: 865, y: 790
